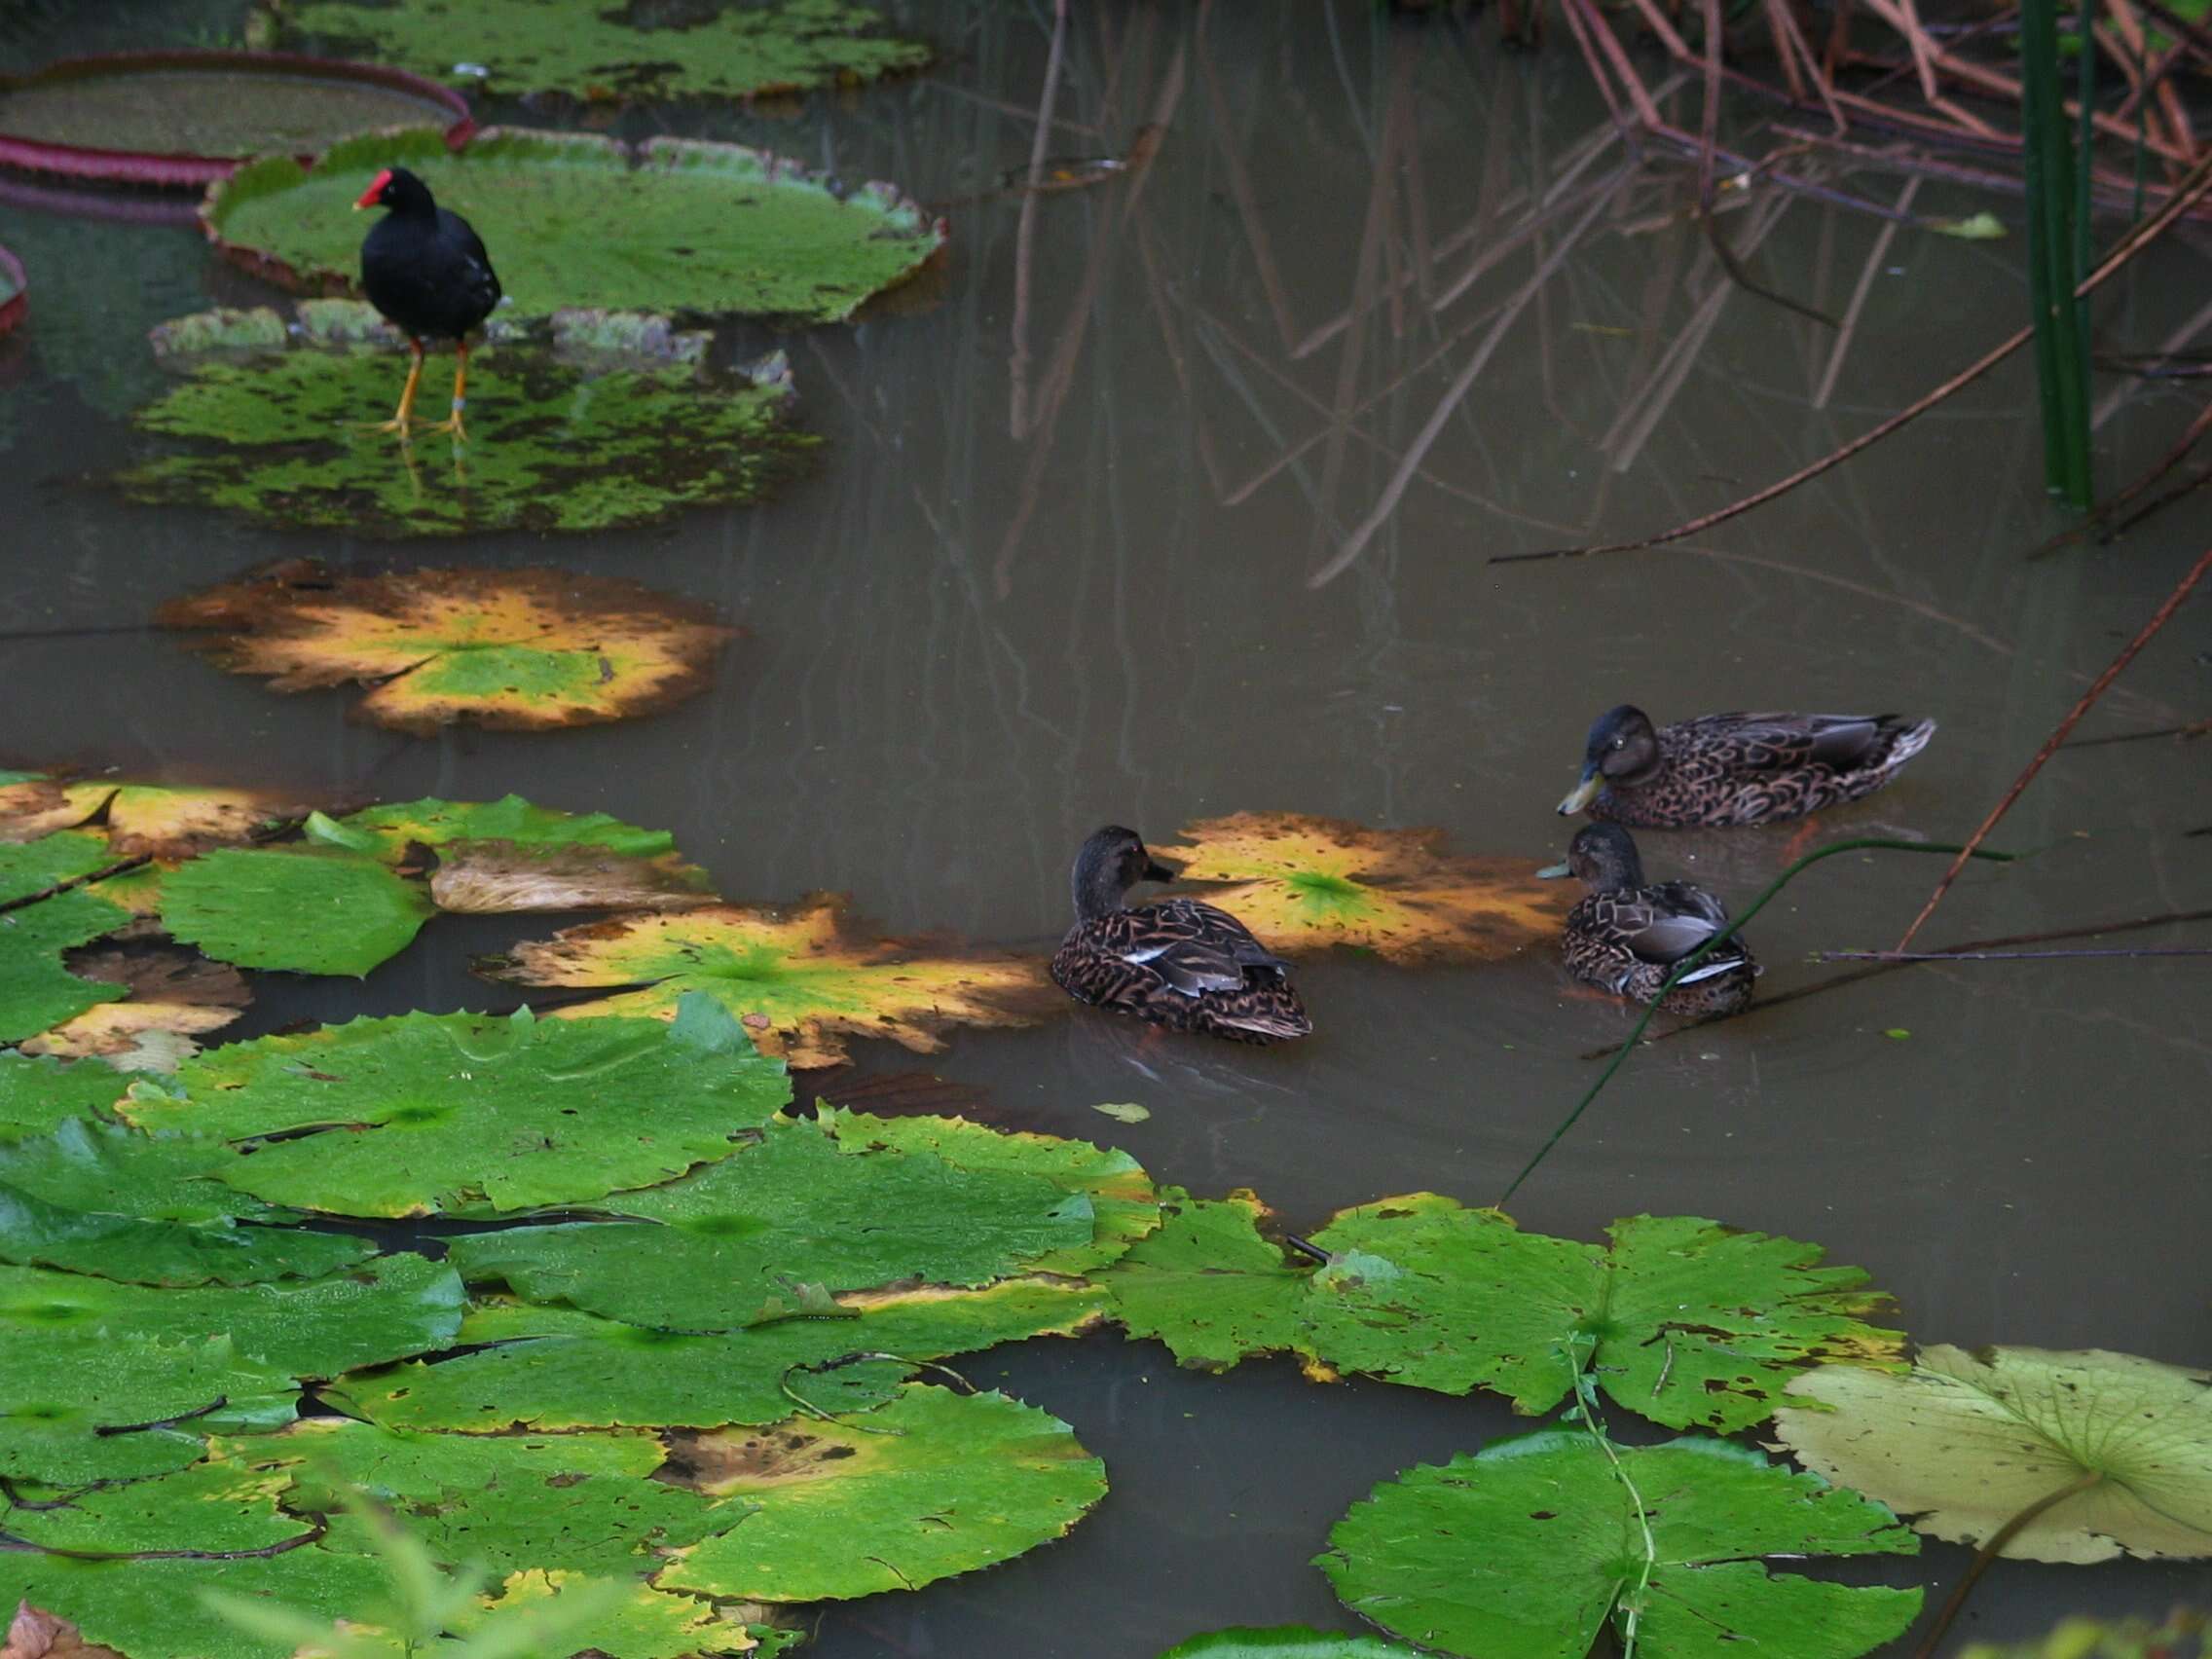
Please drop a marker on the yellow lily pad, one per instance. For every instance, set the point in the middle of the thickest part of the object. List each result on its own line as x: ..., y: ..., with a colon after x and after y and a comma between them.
x: 1305, y: 884
x: 519, y: 650
x: 174, y: 999
x: 161, y: 820
x: 801, y: 980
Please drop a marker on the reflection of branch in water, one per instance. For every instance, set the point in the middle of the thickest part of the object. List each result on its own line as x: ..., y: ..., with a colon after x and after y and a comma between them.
x: 1025, y: 232
x: 2100, y: 519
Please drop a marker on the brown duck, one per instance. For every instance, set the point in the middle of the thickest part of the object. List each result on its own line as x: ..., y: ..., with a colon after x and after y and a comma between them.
x: 1731, y: 769
x: 1176, y: 962
x: 1627, y: 935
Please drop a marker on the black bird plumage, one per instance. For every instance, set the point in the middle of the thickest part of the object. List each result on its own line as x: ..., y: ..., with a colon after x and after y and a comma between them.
x: 425, y: 269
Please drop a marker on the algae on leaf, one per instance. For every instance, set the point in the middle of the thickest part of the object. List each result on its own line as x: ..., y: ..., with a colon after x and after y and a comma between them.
x: 526, y: 649
x: 801, y: 979
x: 469, y: 1113
x: 717, y: 51
x: 301, y: 909
x: 1303, y: 884
x: 704, y: 227
x: 1531, y: 1548
x: 945, y: 1483
x: 1964, y: 1442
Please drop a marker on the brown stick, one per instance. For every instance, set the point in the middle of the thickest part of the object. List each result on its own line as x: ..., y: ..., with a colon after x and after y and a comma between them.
x: 1990, y: 1551
x: 2148, y: 631
x: 2198, y: 183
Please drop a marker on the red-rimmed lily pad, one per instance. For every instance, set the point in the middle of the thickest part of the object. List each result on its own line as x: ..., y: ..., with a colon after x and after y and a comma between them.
x: 575, y: 220
x: 184, y: 119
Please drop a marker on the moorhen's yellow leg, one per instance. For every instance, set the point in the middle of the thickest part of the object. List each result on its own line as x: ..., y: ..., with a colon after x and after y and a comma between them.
x: 405, y: 413
x: 452, y: 422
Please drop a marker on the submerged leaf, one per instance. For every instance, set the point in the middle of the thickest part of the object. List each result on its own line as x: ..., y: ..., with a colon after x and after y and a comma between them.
x: 1964, y: 1442
x: 306, y: 911
x: 1530, y: 1548
x: 1305, y: 884
x: 429, y: 1113
x: 514, y: 649
x: 704, y: 227
x: 945, y: 1483
x: 728, y: 53
x: 801, y: 979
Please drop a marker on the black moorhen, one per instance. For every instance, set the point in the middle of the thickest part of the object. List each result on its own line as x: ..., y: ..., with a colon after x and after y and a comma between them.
x: 426, y: 271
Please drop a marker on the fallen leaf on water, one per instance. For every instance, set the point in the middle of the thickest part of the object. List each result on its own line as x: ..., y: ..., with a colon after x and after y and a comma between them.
x: 1122, y: 1111
x: 35, y: 1633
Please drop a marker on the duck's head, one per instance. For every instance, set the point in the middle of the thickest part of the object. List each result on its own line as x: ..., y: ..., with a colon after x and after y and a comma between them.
x: 1602, y: 857
x: 1111, y: 863
x: 1623, y: 749
x: 399, y: 190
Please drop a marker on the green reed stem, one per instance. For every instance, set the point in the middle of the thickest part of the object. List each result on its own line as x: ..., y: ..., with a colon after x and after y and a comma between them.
x: 2057, y: 202
x: 1720, y: 936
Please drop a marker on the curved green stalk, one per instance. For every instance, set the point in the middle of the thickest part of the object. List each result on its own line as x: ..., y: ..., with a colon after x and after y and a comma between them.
x: 1720, y: 937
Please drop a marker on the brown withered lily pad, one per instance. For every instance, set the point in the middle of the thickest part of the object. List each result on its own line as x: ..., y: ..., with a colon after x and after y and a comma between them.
x: 158, y: 820
x: 36, y: 1634
x: 1305, y: 884
x: 173, y: 1000
x: 801, y: 979
x: 518, y: 651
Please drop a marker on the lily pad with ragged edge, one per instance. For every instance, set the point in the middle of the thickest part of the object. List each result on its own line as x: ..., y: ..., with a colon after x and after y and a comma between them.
x: 1287, y: 1641
x: 38, y: 1095
x: 1533, y: 1547
x: 1963, y: 1443
x: 173, y: 1000
x: 520, y: 650
x: 555, y: 1369
x: 462, y: 1113
x: 731, y: 1245
x: 948, y: 1483
x: 712, y: 51
x: 1305, y: 884
x: 137, y: 820
x: 1209, y: 1285
x: 300, y: 909
x: 564, y: 437
x: 508, y: 855
x: 801, y: 979
x: 37, y: 992
x: 642, y: 1623
x: 706, y: 227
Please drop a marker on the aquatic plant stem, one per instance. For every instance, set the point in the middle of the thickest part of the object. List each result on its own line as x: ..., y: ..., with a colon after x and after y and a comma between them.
x: 2148, y: 631
x: 1990, y: 1551
x: 1720, y: 935
x: 2192, y: 189
x: 1581, y: 1348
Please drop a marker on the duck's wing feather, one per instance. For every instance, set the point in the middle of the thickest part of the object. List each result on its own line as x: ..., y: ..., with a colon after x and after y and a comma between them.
x: 1662, y: 924
x: 1195, y: 947
x: 1782, y: 741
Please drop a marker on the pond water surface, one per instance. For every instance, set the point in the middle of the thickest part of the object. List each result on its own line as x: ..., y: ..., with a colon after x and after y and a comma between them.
x: 1073, y: 555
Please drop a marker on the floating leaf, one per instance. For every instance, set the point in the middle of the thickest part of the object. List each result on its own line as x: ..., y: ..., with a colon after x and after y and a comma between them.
x: 706, y: 227
x: 36, y: 1234
x: 1983, y: 226
x: 1287, y: 1641
x: 1530, y: 1548
x: 562, y: 441
x: 37, y: 1095
x: 722, y: 1247
x: 174, y: 998
x: 1964, y: 1442
x: 37, y: 992
x: 513, y: 649
x: 1209, y: 1285
x: 785, y: 45
x: 946, y: 1483
x: 33, y: 805
x: 47, y: 863
x: 502, y: 856
x: 639, y: 1623
x: 304, y: 910
x: 1123, y: 1111
x: 576, y: 1370
x: 94, y: 1406
x: 801, y: 979
x: 427, y: 1112
x: 99, y: 1166
x: 2185, y: 1635
x: 1305, y: 884
x: 164, y: 821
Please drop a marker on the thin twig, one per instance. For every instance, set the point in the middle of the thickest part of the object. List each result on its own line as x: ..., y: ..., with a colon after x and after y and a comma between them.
x: 2008, y: 955
x: 2144, y: 637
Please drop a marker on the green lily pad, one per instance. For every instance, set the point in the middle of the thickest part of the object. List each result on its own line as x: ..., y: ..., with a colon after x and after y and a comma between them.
x: 1964, y: 1442
x: 713, y: 52
x: 307, y: 912
x: 1531, y: 1548
x: 948, y: 1483
x: 109, y: 1169
x: 508, y: 855
x: 560, y: 441
x: 725, y: 1247
x: 39, y: 1095
x: 639, y: 1623
x: 464, y: 1112
x: 214, y: 1506
x: 576, y: 1370
x: 79, y: 1406
x: 36, y: 991
x: 703, y: 227
x: 1287, y: 1641
x: 35, y: 867
x: 1680, y: 1320
x: 36, y: 1234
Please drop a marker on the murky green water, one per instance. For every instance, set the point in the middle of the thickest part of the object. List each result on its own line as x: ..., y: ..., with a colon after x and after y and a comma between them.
x: 1059, y: 566
x: 206, y: 113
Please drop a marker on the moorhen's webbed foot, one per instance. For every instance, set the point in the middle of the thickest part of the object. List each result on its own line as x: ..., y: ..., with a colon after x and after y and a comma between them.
x: 403, y: 417
x: 452, y: 423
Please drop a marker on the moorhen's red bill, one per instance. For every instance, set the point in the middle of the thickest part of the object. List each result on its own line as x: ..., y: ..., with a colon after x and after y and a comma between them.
x: 426, y: 271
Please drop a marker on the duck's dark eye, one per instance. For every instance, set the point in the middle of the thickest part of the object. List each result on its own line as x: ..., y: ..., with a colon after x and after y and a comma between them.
x: 1620, y: 742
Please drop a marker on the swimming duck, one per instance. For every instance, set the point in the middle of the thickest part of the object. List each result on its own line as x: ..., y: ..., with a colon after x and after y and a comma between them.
x: 1178, y: 963
x: 1627, y: 936
x: 1727, y: 769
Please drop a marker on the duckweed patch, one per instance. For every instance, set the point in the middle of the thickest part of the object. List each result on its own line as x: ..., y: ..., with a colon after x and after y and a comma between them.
x: 717, y: 51
x: 706, y: 228
x: 562, y: 438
